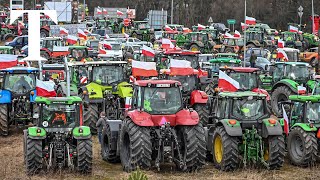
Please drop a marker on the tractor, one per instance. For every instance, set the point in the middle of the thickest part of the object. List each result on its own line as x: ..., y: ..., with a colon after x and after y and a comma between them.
x: 258, y: 39
x: 292, y: 40
x: 157, y: 128
x: 241, y: 132
x: 106, y: 91
x: 230, y: 45
x: 17, y: 97
x: 199, y: 41
x: 142, y: 31
x: 79, y: 53
x: 310, y: 40
x: 59, y: 139
x: 53, y: 48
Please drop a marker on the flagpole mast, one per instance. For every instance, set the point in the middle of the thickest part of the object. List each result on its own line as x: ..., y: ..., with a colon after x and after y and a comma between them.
x: 245, y: 34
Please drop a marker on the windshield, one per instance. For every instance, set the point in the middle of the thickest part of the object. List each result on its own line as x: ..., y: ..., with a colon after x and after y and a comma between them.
x: 247, y: 81
x: 136, y: 48
x: 297, y: 72
x: 59, y: 115
x: 20, y: 83
x: 94, y: 44
x: 289, y: 36
x: 50, y: 43
x: 116, y: 47
x: 293, y: 56
x: 248, y: 109
x: 188, y: 83
x: 239, y: 42
x: 162, y: 100
x: 107, y: 74
x: 313, y: 112
x: 78, y: 53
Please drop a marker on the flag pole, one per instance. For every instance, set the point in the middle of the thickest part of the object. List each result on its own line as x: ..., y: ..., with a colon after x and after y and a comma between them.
x: 245, y: 34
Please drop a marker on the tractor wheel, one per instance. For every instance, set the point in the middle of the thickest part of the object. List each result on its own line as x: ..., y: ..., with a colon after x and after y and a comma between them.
x: 203, y: 112
x: 90, y: 117
x: 134, y: 35
x: 209, y: 89
x: 135, y: 146
x: 226, y: 155
x: 84, y: 151
x: 281, y: 93
x: 8, y: 37
x: 229, y: 50
x: 274, y: 152
x: 4, y: 120
x: 44, y: 33
x: 314, y: 62
x: 33, y: 156
x: 192, y: 143
x: 44, y: 55
x: 106, y: 152
x: 302, y: 147
x: 194, y: 47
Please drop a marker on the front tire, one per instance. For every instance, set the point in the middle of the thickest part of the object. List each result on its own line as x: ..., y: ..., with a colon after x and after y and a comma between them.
x: 274, y: 152
x: 4, y: 120
x: 33, y: 156
x: 281, y: 93
x: 84, y: 151
x: 91, y: 117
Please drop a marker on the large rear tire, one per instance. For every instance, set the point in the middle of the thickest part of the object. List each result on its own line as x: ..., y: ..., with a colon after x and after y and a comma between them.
x: 192, y: 147
x: 209, y: 89
x: 90, y: 117
x: 135, y: 146
x: 274, y: 152
x: 302, y: 147
x: 203, y: 112
x: 84, y: 151
x: 33, y: 156
x: 226, y: 155
x: 4, y: 120
x: 106, y: 152
x: 281, y: 93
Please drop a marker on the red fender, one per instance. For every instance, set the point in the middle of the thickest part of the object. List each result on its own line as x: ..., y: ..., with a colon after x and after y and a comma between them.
x: 140, y: 118
x: 198, y: 97
x: 186, y: 117
x: 262, y: 91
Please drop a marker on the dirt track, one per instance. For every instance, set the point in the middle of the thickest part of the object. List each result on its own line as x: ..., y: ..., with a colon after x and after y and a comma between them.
x: 12, y: 167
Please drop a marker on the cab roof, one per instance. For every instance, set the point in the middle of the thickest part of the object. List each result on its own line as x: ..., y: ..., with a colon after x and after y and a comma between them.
x: 20, y: 69
x: 241, y: 69
x: 144, y: 83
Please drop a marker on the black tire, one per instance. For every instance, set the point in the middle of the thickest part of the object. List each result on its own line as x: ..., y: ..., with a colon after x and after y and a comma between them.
x: 275, y: 148
x: 135, y: 146
x: 25, y: 136
x: 230, y: 159
x: 90, y: 117
x: 203, y: 112
x: 229, y: 50
x: 45, y: 55
x: 8, y: 37
x: 134, y: 35
x: 84, y: 151
x: 281, y: 93
x: 4, y: 120
x: 209, y: 89
x: 33, y: 156
x: 193, y: 47
x: 44, y: 33
x: 106, y: 152
x: 306, y: 155
x: 192, y: 147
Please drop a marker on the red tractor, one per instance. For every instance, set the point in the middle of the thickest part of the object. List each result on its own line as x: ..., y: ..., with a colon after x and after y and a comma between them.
x: 53, y: 48
x: 157, y: 128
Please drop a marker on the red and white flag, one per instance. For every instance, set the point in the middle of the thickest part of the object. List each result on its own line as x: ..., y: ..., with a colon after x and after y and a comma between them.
x: 8, y: 60
x: 167, y: 28
x: 82, y: 34
x: 243, y: 26
x: 72, y: 39
x: 237, y: 34
x: 227, y: 35
x: 99, y: 11
x: 148, y: 51
x: 83, y: 80
x: 145, y: 69
x: 293, y: 29
x: 281, y: 54
x: 104, y: 11
x: 280, y: 43
x: 286, y: 121
x: 119, y: 13
x: 250, y: 20
x: 45, y: 88
x: 126, y: 35
x: 201, y: 27
x: 107, y: 46
x: 86, y: 31
x: 302, y: 90
x: 127, y: 104
x: 180, y: 67
x: 226, y: 83
x: 300, y: 32
x: 167, y: 44
x: 107, y: 36
x: 102, y: 51
x: 63, y: 31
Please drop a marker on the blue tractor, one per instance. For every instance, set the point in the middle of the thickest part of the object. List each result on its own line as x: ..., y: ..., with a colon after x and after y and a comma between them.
x: 17, y: 97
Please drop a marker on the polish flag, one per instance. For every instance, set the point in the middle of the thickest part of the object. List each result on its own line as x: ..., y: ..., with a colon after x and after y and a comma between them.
x: 286, y: 121
x: 282, y: 54
x: 227, y: 83
x: 72, y: 39
x: 145, y: 69
x: 180, y: 67
x: 63, y: 31
x: 201, y: 27
x: 83, y: 80
x: 8, y: 60
x: 167, y: 44
x: 243, y: 26
x: 127, y: 104
x: 167, y: 28
x: 293, y: 29
x: 99, y: 11
x: 280, y: 43
x: 102, y: 51
x: 227, y: 35
x: 302, y: 90
x: 237, y: 34
x: 107, y: 46
x: 45, y: 88
x: 147, y: 51
x: 82, y: 34
x: 126, y: 35
x: 250, y: 20
x: 119, y: 13
x: 104, y: 11
x: 107, y: 36
x: 300, y: 32
x: 86, y: 31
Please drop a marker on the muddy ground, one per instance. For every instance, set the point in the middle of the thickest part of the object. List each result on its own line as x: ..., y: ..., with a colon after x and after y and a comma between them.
x: 12, y: 167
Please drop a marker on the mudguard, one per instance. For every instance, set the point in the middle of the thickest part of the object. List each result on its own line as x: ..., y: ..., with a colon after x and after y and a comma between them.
x: 305, y: 127
x: 95, y: 90
x: 114, y: 126
x: 287, y: 82
x: 5, y: 97
x: 271, y: 129
x: 85, y: 134
x: 124, y: 90
x: 198, y: 97
x: 33, y: 134
x: 232, y: 130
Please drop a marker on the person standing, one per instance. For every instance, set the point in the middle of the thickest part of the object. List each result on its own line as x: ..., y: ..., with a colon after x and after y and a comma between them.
x: 100, y: 124
x: 253, y: 59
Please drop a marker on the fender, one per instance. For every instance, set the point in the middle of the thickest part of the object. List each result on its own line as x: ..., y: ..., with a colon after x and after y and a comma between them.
x: 187, y: 117
x: 46, y: 50
x: 140, y: 118
x: 287, y: 82
x: 262, y: 91
x: 232, y: 130
x: 85, y: 134
x: 124, y: 90
x: 5, y: 96
x: 114, y: 126
x: 305, y: 127
x: 94, y: 90
x: 37, y: 133
x: 198, y: 97
x: 269, y: 129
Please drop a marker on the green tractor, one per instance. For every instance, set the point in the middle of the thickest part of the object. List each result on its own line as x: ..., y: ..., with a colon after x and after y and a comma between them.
x: 257, y: 38
x: 59, y: 139
x: 310, y: 40
x: 292, y: 40
x: 199, y: 41
x: 303, y: 138
x: 107, y: 91
x: 79, y: 53
x: 241, y: 132
x: 142, y: 31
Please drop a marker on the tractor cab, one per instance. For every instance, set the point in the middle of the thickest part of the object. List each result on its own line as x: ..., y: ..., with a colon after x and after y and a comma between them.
x: 231, y: 45
x: 199, y: 41
x: 292, y: 39
x: 292, y: 54
x: 79, y: 53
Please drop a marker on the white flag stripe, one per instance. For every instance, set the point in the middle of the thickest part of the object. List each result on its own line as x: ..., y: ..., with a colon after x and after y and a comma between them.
x: 144, y: 65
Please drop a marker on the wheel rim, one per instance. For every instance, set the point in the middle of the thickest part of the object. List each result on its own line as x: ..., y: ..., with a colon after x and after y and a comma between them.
x: 266, y: 155
x: 194, y: 49
x: 122, y: 30
x: 297, y: 147
x: 218, y: 148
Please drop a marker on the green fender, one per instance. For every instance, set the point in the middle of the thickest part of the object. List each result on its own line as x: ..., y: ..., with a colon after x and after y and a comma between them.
x: 85, y: 134
x: 305, y: 127
x: 287, y: 82
x: 33, y: 134
x: 232, y: 130
x: 311, y: 84
x: 95, y: 90
x: 124, y: 90
x: 269, y: 129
